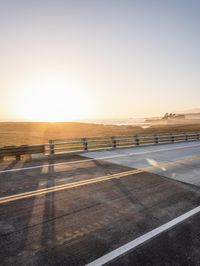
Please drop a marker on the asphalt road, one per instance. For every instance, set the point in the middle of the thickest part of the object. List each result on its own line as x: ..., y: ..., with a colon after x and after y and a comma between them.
x: 74, y: 222
x: 187, y: 171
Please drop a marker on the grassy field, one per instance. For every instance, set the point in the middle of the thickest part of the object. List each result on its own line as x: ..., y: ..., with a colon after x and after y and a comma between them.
x: 13, y: 133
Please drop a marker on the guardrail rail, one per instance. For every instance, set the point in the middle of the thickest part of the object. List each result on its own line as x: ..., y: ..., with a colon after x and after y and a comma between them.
x: 18, y: 151
x: 96, y: 143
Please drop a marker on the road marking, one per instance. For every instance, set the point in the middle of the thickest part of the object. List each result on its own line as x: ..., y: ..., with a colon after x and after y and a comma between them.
x: 98, y: 158
x: 44, y: 191
x: 64, y: 187
x: 142, y: 239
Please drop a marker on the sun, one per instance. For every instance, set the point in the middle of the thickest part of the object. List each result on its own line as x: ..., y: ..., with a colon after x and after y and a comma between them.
x: 51, y: 98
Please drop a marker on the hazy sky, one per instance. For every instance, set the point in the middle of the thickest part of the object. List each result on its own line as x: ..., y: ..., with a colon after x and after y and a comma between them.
x: 63, y: 60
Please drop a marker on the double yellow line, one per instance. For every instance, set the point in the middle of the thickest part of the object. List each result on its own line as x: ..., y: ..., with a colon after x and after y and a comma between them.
x: 44, y: 191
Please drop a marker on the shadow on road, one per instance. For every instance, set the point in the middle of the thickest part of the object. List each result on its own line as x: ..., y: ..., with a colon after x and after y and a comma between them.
x: 48, y: 229
x: 16, y: 218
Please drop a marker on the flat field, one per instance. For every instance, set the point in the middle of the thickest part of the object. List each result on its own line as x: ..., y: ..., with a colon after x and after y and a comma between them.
x: 18, y: 133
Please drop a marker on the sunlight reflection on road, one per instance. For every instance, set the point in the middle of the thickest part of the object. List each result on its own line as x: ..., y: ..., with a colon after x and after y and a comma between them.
x: 154, y: 163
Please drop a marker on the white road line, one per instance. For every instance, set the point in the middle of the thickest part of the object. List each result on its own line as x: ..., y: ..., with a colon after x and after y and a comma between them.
x: 140, y: 240
x: 98, y: 158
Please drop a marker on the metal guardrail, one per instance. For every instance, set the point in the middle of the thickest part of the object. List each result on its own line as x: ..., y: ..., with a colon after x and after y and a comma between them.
x: 57, y: 146
x: 18, y: 151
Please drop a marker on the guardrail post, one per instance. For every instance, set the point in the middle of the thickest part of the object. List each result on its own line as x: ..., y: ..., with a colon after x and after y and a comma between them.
x: 197, y: 136
x: 156, y: 139
x: 51, y: 146
x: 186, y: 137
x: 114, y: 142
x: 17, y: 157
x: 85, y: 144
x: 137, y: 140
x: 172, y: 138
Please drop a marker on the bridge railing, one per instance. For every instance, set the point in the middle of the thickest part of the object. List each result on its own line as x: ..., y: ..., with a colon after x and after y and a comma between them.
x: 57, y: 146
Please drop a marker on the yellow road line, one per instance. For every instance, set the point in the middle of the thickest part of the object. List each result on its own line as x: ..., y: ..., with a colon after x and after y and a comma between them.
x: 77, y: 182
x: 65, y: 186
x: 90, y: 181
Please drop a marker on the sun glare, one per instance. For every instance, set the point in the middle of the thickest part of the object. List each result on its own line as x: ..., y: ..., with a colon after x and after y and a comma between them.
x: 51, y: 99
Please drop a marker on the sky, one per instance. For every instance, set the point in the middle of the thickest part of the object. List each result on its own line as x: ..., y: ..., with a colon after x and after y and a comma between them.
x: 66, y: 60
